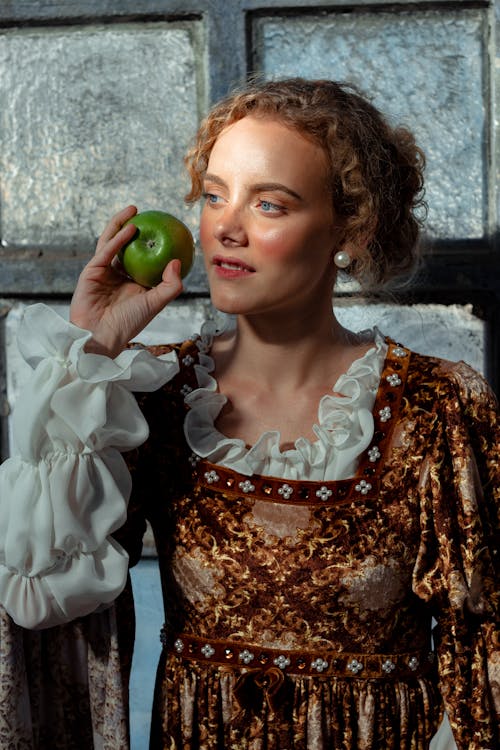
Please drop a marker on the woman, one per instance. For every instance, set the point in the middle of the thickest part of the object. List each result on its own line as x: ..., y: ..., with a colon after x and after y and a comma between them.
x: 317, y: 495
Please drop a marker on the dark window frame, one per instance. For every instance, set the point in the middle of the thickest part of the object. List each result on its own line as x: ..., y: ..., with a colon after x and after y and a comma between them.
x: 454, y: 271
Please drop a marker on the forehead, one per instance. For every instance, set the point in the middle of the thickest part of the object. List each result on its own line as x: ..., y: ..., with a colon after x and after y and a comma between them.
x: 262, y: 143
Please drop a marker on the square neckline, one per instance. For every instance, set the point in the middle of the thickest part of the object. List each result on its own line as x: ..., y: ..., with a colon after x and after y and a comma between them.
x: 366, y: 479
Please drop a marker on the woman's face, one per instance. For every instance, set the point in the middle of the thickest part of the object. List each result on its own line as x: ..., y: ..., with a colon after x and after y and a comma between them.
x: 267, y: 224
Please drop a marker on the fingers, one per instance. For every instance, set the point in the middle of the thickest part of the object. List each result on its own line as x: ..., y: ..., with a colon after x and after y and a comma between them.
x: 171, y: 284
x: 168, y: 289
x: 172, y: 273
x: 115, y: 236
x: 115, y: 224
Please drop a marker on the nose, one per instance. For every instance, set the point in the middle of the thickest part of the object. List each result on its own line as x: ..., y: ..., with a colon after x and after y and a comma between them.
x: 229, y: 228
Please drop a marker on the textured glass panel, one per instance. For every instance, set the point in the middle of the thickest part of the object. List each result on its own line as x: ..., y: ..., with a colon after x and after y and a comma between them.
x: 452, y: 332
x: 497, y: 108
x: 92, y: 119
x: 177, y: 322
x: 424, y: 69
x: 449, y: 331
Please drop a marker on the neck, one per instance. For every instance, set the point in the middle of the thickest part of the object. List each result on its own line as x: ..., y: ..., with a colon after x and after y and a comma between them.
x: 284, y: 353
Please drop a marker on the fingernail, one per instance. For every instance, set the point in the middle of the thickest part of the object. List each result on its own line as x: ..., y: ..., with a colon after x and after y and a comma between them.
x: 173, y: 269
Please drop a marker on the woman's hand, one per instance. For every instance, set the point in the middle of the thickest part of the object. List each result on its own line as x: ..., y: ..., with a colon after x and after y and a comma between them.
x: 110, y: 305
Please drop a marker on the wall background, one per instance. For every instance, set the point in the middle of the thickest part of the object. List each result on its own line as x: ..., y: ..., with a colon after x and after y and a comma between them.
x: 100, y: 98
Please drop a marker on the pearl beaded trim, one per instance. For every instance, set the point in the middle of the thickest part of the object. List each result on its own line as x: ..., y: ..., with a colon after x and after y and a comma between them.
x: 364, y: 483
x: 364, y: 666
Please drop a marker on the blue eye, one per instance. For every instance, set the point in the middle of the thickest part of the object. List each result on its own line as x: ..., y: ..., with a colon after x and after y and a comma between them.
x: 268, y: 207
x: 211, y: 198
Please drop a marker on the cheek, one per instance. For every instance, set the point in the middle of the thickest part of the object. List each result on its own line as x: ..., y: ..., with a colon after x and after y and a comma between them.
x: 278, y: 244
x: 298, y: 245
x: 206, y: 229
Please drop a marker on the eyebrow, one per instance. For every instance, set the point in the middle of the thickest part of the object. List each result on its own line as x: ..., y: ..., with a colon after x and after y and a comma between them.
x: 257, y: 186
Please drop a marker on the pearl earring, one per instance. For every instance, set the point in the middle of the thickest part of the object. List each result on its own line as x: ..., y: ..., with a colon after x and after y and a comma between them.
x: 342, y: 259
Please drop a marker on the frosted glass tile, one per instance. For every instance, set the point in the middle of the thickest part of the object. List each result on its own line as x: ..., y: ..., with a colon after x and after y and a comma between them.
x: 449, y: 331
x: 424, y: 69
x: 179, y: 321
x: 452, y: 332
x: 496, y: 123
x: 93, y: 118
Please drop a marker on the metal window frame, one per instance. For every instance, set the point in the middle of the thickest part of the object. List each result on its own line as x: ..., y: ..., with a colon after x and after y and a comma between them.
x: 454, y: 271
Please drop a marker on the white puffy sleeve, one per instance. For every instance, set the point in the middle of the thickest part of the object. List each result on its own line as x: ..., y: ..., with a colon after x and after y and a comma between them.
x: 66, y: 487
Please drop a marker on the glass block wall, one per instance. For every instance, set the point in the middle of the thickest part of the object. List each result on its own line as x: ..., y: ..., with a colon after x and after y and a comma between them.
x: 425, y: 68
x: 98, y: 102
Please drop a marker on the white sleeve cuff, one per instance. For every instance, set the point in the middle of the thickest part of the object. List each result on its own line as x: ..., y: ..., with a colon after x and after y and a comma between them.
x: 66, y: 488
x: 76, y: 587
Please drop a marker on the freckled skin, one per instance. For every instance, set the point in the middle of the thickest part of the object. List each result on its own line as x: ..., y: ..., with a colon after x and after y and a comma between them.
x: 268, y: 233
x: 268, y: 209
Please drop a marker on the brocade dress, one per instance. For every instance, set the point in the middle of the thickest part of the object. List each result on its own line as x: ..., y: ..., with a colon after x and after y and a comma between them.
x: 300, y: 585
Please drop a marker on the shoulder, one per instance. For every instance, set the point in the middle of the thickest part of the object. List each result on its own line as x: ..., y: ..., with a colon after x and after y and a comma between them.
x: 454, y: 395
x: 448, y: 379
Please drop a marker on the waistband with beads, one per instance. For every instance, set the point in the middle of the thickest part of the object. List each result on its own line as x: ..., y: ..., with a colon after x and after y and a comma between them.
x: 324, y: 662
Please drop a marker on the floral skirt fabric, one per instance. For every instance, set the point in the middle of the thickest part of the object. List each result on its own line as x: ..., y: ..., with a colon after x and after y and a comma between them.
x: 196, y: 709
x: 66, y: 688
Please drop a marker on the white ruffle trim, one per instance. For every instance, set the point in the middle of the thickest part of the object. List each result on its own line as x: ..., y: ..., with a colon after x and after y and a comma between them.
x: 344, y: 430
x: 66, y: 488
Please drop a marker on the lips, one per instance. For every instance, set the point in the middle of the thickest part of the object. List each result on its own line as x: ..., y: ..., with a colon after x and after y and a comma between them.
x: 231, y: 265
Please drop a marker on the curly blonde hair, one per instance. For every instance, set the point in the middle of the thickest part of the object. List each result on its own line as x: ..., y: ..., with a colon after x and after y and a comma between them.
x: 376, y: 170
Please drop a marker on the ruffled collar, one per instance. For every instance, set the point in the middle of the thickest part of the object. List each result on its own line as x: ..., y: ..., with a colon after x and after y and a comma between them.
x: 344, y: 430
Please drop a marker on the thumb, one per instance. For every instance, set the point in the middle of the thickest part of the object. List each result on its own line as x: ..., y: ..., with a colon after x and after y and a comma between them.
x: 172, y: 273
x: 169, y: 287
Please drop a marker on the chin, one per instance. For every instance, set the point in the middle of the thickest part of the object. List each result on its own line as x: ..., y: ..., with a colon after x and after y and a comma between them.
x: 229, y: 306
x: 227, y: 303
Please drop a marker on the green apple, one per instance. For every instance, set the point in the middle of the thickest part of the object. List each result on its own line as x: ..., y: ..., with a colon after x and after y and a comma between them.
x: 160, y: 237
